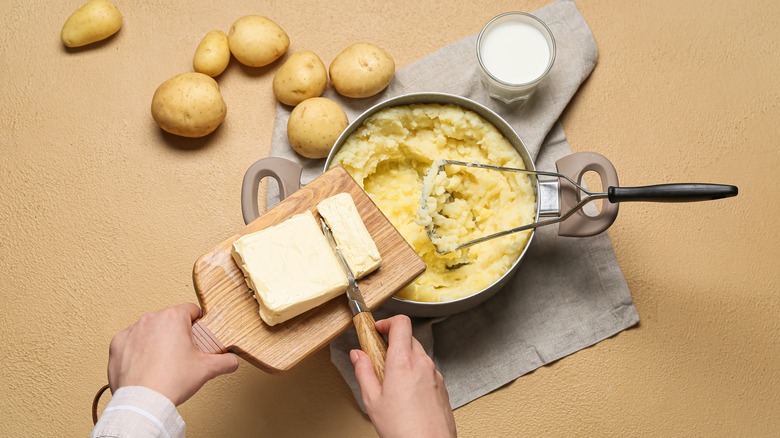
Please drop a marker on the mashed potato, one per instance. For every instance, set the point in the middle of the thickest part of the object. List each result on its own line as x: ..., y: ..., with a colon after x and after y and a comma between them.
x: 389, y: 156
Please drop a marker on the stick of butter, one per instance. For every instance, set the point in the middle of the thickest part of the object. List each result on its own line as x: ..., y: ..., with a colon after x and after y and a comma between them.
x: 350, y: 233
x: 290, y: 267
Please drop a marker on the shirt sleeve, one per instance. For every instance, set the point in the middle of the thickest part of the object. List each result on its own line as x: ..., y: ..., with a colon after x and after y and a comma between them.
x: 136, y: 411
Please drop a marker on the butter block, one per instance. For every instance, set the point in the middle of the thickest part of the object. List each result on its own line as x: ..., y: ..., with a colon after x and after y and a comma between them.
x: 350, y: 233
x: 290, y: 267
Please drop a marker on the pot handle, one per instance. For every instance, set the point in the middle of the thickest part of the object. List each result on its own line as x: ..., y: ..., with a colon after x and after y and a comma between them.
x: 286, y: 173
x: 574, y: 166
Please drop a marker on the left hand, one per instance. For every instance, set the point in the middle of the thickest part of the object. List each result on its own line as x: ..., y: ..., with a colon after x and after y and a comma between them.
x: 158, y: 352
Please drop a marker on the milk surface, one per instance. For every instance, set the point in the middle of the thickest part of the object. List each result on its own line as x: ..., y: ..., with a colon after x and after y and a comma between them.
x: 515, y: 52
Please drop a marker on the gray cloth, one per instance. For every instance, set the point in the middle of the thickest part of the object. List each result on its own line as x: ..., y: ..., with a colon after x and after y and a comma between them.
x: 568, y: 293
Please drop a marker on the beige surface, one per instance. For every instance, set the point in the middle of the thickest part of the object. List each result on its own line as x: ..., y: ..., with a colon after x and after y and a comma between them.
x: 102, y: 216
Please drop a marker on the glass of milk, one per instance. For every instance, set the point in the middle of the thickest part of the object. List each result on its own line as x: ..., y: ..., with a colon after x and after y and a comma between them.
x: 515, y: 52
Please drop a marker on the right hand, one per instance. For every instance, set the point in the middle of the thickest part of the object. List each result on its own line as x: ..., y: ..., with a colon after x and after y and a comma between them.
x: 413, y: 400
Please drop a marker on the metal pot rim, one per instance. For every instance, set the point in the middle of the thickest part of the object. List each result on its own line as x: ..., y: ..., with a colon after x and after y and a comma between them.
x: 433, y: 309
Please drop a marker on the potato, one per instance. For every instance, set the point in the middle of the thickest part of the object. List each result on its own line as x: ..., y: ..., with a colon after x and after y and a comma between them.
x: 96, y: 20
x: 213, y: 54
x: 301, y: 77
x: 361, y: 70
x: 314, y: 126
x: 257, y: 41
x: 189, y: 105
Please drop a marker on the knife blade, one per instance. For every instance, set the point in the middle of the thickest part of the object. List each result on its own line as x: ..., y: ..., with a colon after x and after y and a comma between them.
x: 371, y: 342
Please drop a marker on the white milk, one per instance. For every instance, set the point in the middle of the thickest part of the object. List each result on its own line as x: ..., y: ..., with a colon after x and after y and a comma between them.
x: 515, y: 52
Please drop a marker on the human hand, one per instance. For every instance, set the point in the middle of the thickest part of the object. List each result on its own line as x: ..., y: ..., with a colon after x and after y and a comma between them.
x: 158, y: 352
x: 413, y: 400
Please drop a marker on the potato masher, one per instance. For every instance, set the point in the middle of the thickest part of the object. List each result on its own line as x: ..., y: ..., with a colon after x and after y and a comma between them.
x: 565, y: 193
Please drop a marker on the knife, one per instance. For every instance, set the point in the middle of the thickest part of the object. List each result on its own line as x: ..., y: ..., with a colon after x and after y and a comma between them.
x: 371, y: 342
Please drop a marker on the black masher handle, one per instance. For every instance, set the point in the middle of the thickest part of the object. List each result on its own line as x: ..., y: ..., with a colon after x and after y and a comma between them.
x: 672, y: 193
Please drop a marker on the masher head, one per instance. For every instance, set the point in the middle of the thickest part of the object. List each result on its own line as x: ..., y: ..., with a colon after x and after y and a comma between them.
x: 451, y: 215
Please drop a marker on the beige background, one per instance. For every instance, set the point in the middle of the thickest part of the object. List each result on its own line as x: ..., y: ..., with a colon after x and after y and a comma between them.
x: 102, y: 215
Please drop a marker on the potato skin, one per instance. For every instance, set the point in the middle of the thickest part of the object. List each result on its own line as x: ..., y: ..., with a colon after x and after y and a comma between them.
x: 314, y: 126
x: 361, y: 70
x: 301, y: 77
x: 257, y: 41
x: 189, y: 105
x: 96, y: 20
x: 213, y: 54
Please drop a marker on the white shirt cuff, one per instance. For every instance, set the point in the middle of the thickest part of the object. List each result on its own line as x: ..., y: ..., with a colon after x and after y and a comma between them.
x: 139, y: 411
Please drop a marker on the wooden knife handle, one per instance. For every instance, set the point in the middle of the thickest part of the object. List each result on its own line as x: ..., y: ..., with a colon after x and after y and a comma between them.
x: 371, y: 342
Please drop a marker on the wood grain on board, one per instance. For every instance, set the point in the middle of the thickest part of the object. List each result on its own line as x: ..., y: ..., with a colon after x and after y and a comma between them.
x: 231, y: 321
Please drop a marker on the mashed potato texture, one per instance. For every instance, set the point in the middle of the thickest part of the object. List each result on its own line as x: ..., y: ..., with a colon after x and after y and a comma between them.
x: 389, y: 156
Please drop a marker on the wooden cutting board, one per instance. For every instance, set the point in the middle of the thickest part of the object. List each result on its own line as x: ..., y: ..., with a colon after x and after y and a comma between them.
x: 230, y: 319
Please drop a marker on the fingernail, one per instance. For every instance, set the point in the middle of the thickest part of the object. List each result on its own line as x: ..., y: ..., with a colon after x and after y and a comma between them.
x: 353, y: 356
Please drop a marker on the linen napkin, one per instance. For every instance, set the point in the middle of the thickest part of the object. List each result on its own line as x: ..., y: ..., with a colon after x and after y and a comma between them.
x: 568, y: 293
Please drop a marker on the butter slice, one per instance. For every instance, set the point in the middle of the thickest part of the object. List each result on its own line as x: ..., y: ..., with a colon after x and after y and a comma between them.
x: 350, y: 233
x: 290, y: 267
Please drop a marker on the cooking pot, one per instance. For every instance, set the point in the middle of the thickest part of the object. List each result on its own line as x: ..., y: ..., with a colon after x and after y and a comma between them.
x: 561, y: 197
x: 552, y: 197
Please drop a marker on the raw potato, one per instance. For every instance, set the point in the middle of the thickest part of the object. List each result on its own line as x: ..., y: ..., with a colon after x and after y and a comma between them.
x: 361, y: 70
x: 94, y: 21
x: 314, y: 126
x: 189, y: 105
x: 301, y: 77
x: 213, y: 54
x: 257, y: 41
